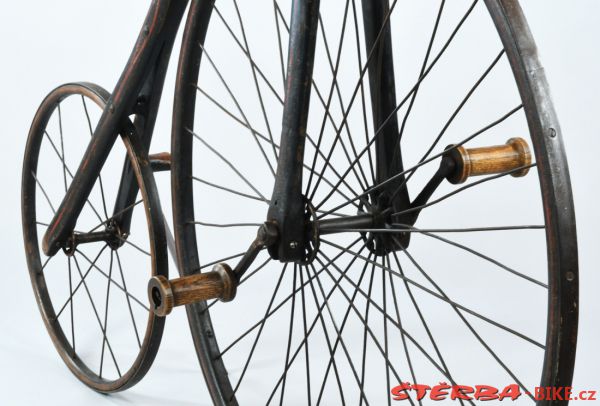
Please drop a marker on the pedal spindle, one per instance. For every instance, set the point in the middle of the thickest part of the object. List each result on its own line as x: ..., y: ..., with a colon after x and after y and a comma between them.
x: 490, y: 160
x: 164, y: 294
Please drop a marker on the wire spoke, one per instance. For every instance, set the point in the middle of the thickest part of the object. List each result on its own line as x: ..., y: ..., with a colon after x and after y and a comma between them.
x: 310, y: 192
x: 365, y: 342
x: 275, y: 309
x: 425, y: 353
x: 385, y: 333
x: 73, y: 291
x: 485, y: 257
x: 331, y: 353
x: 117, y: 214
x: 43, y: 192
x: 463, y: 188
x: 423, y: 67
x: 469, y: 326
x: 279, y: 42
x: 362, y: 91
x: 314, y: 322
x: 340, y: 101
x: 110, y: 350
x: 252, y: 62
x: 289, y: 340
x: 260, y: 330
x: 121, y: 288
x: 252, y: 66
x: 266, y: 139
x: 406, y: 97
x: 339, y: 336
x: 235, y: 192
x: 71, y: 306
x: 235, y: 101
x: 228, y: 163
x: 62, y: 145
x: 105, y: 328
x: 402, y: 336
x: 413, y: 168
x: 444, y: 299
x: 137, y: 247
x: 68, y: 171
x: 306, y: 350
x: 363, y: 321
x: 228, y: 225
x: 135, y: 328
x: 421, y: 318
x: 468, y: 230
x: 87, y: 115
x: 452, y: 117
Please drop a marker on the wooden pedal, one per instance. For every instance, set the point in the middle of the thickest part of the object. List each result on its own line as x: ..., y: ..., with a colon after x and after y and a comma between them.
x: 164, y: 294
x: 490, y: 160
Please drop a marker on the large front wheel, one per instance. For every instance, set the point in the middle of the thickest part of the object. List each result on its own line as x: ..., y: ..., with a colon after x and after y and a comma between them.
x: 459, y: 279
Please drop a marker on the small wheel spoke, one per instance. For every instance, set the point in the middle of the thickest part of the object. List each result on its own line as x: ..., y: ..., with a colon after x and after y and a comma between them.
x: 110, y: 350
x: 68, y: 171
x: 89, y: 122
x: 117, y: 214
x: 71, y: 306
x: 73, y: 291
x: 137, y: 247
x: 105, y: 327
x: 121, y: 288
x: 135, y: 328
x: 43, y: 192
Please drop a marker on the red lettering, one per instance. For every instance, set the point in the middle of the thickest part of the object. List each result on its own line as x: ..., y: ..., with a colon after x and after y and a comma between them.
x: 399, y: 392
x: 485, y: 392
x: 439, y: 392
x: 461, y: 392
x: 511, y: 391
x: 421, y: 390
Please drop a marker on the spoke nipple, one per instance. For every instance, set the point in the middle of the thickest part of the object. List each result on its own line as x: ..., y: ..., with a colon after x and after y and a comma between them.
x: 552, y: 132
x: 293, y: 245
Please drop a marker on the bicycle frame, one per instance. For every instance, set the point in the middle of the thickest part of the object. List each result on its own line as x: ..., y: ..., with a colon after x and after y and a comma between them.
x: 138, y: 93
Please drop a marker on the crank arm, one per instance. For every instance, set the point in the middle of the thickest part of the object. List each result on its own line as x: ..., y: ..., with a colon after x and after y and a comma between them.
x: 220, y: 283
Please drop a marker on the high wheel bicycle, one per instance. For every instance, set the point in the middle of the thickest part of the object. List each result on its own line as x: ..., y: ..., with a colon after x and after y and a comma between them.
x: 366, y: 195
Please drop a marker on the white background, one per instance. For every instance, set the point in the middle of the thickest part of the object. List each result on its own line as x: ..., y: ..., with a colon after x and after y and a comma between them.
x: 47, y: 43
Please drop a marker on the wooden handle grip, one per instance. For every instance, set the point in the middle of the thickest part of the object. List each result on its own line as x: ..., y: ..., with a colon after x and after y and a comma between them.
x: 490, y: 160
x: 165, y: 294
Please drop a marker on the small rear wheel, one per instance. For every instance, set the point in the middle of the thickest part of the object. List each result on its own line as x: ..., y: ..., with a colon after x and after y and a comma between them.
x: 92, y: 294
